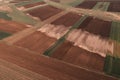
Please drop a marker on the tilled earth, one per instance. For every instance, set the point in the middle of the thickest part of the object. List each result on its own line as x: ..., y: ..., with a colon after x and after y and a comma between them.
x: 44, y: 12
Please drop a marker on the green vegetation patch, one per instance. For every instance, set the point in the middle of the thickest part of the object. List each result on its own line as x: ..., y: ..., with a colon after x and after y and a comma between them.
x: 115, y: 31
x: 112, y: 66
x: 4, y: 15
x: 4, y: 34
x: 19, y: 16
x: 112, y: 62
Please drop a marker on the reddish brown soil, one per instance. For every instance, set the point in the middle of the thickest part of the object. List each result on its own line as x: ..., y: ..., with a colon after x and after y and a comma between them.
x: 62, y: 50
x: 45, y: 66
x: 11, y: 26
x: 87, y: 4
x: 84, y: 58
x: 96, y: 26
x: 67, y: 20
x: 78, y: 56
x: 37, y: 42
x: 85, y: 22
x: 114, y: 6
x: 17, y: 1
x: 33, y: 4
x: 44, y: 12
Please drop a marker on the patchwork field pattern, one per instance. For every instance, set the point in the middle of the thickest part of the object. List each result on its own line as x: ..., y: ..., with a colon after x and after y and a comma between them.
x: 59, y: 40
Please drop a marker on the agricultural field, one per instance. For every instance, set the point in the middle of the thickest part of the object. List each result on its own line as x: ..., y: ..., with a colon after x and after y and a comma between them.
x: 114, y: 6
x: 78, y: 56
x: 11, y: 26
x: 41, y: 12
x: 34, y: 4
x: 41, y: 65
x: 17, y: 1
x: 7, y: 28
x: 67, y: 20
x: 102, y: 28
x: 87, y: 4
x: 4, y: 34
x: 59, y: 40
x: 37, y: 42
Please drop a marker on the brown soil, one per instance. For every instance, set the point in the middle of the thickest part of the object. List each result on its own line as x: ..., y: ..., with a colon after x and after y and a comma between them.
x: 17, y: 1
x: 44, y: 12
x: 114, y: 6
x: 87, y: 4
x: 11, y: 26
x: 96, y: 26
x: 84, y: 58
x: 78, y: 56
x: 62, y: 50
x: 67, y: 20
x: 45, y: 66
x: 37, y: 42
x: 55, y: 0
x: 33, y: 4
x: 85, y: 22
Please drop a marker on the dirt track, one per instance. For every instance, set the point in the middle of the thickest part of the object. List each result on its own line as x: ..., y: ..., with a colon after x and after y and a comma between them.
x: 45, y: 66
x: 67, y: 20
x: 11, y: 26
x: 41, y: 12
x: 78, y: 56
x: 37, y: 42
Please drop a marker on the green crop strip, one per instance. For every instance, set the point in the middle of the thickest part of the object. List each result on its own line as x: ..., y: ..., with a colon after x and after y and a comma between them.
x: 4, y: 34
x: 112, y: 66
x: 115, y: 31
x: 4, y: 15
x: 19, y: 16
x: 112, y: 62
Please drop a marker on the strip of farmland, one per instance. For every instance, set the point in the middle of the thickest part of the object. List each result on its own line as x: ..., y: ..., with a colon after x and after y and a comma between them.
x: 114, y: 6
x: 96, y: 26
x: 37, y: 42
x: 18, y: 1
x: 112, y: 62
x: 4, y: 15
x: 4, y: 34
x: 33, y: 4
x: 45, y: 66
x: 87, y: 4
x: 60, y: 26
x: 11, y: 26
x: 67, y: 20
x: 78, y: 56
x: 93, y: 35
x: 56, y: 0
x: 44, y: 12
x: 81, y: 40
